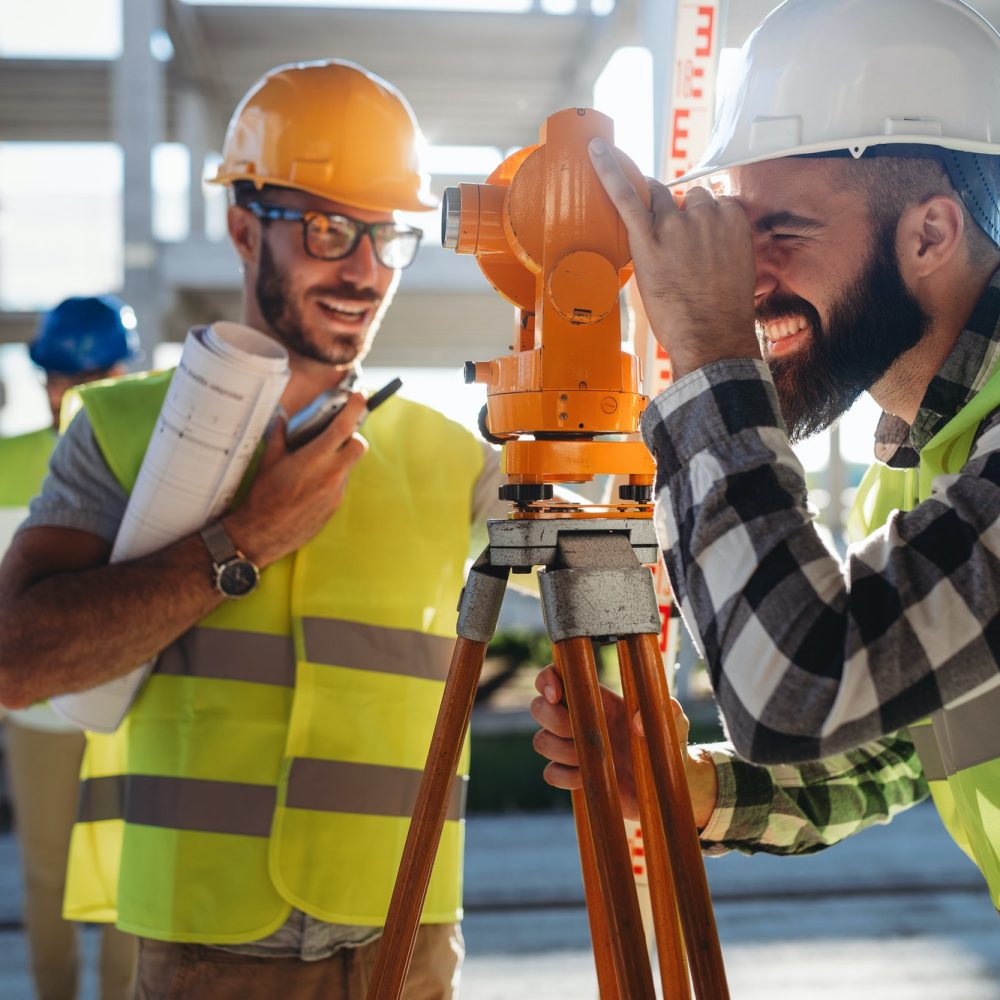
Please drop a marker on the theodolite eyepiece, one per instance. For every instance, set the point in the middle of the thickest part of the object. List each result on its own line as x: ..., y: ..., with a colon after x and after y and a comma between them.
x: 451, y: 214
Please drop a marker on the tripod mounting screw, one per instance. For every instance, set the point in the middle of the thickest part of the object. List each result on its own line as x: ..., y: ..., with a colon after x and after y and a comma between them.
x: 637, y: 494
x: 525, y: 493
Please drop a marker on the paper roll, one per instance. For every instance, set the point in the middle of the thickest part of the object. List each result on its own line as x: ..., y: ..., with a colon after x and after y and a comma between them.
x: 223, y: 394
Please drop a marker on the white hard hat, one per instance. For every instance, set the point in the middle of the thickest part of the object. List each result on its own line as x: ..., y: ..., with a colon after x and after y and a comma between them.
x: 819, y: 76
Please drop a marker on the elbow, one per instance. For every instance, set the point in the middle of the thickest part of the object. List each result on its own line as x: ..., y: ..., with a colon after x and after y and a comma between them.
x: 768, y: 747
x: 15, y: 692
x: 13, y: 695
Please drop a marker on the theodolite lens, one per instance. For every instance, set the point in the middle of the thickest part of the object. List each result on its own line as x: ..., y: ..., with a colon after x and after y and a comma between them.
x: 451, y: 211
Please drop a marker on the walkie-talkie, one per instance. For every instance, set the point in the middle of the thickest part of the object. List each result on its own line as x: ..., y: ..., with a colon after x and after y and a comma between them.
x: 314, y: 418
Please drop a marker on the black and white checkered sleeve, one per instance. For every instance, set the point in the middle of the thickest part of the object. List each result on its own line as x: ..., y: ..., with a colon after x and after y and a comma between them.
x: 809, y: 655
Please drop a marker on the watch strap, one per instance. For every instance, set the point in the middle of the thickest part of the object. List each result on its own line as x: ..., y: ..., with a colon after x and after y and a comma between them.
x: 220, y: 546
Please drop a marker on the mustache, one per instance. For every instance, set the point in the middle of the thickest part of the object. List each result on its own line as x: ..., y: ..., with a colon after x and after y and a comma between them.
x: 346, y: 291
x: 780, y: 306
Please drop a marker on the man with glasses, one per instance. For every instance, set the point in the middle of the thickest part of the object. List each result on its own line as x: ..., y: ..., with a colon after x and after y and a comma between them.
x: 247, y: 819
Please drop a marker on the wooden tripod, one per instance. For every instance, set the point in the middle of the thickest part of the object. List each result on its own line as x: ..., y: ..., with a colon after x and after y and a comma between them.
x: 594, y: 587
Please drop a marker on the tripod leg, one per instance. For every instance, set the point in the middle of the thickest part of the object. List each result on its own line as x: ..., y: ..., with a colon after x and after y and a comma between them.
x: 600, y: 931
x: 674, y: 975
x: 478, y: 609
x: 574, y: 658
x: 667, y: 769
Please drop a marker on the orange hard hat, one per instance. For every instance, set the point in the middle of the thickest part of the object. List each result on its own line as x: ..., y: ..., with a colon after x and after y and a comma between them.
x: 330, y: 128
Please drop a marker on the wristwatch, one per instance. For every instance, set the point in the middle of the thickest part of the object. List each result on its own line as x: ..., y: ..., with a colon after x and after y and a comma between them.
x: 232, y: 573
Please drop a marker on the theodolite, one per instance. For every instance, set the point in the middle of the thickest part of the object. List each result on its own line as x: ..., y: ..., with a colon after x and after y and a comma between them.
x: 565, y: 404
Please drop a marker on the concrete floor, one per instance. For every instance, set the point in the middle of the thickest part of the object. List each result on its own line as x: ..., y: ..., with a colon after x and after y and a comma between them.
x: 895, y: 913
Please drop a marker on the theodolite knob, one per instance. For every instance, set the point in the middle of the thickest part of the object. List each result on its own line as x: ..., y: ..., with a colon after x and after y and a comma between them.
x: 525, y: 493
x: 636, y: 494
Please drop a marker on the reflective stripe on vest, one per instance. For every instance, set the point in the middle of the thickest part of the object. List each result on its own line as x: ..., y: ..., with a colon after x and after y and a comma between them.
x: 231, y: 655
x: 273, y: 757
x: 337, y: 786
x: 963, y: 737
x: 270, y: 659
x: 247, y: 810
x: 959, y: 747
x: 363, y: 647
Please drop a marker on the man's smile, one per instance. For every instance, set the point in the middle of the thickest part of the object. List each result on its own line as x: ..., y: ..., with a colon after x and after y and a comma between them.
x: 348, y: 313
x: 784, y: 335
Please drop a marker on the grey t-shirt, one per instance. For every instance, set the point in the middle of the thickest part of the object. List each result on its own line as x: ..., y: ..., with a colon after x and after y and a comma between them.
x: 80, y: 490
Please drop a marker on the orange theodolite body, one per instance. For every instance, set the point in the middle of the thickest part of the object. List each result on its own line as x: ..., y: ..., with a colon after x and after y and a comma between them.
x: 549, y: 240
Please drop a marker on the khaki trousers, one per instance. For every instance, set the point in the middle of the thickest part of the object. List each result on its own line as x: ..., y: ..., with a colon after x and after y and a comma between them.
x: 196, y: 972
x: 43, y: 770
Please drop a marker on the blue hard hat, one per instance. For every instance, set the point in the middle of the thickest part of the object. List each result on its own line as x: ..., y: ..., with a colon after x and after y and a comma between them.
x: 86, y: 334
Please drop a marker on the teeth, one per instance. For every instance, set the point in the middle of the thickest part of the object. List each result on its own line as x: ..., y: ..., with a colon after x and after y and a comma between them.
x: 779, y: 329
x: 345, y: 309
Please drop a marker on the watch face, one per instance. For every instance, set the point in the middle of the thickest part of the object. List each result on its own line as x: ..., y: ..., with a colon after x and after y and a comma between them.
x: 238, y: 577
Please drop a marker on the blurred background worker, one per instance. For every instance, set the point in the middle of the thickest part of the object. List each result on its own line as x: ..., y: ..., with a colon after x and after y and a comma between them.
x: 81, y: 340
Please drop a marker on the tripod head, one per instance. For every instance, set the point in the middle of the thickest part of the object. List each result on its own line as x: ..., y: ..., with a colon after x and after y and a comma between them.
x: 548, y: 239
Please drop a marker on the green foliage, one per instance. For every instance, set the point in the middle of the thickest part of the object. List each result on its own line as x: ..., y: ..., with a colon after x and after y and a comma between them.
x: 506, y: 776
x: 523, y: 646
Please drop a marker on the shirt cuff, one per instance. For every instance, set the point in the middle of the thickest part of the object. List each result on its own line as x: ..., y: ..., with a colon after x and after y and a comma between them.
x: 706, y: 405
x: 717, y: 828
x: 744, y: 806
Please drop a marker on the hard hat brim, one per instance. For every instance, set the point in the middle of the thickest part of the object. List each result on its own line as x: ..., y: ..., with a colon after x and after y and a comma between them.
x: 856, y: 148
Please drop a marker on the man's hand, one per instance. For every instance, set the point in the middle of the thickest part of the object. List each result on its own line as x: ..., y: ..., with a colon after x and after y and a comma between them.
x: 555, y: 741
x: 114, y: 617
x: 296, y: 492
x: 694, y: 267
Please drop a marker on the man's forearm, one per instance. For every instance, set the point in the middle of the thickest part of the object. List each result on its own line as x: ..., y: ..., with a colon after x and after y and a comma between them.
x: 801, y: 809
x: 72, y: 630
x: 810, y: 655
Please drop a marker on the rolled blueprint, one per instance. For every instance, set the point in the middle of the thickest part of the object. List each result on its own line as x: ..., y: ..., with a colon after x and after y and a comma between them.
x: 221, y: 398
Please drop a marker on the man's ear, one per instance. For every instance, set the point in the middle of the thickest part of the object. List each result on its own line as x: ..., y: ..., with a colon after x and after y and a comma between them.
x: 244, y: 231
x: 929, y: 234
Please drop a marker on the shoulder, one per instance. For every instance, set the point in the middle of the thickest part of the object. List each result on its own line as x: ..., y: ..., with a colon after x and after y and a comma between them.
x: 138, y: 392
x: 122, y: 413
x: 419, y: 438
x: 426, y: 416
x: 419, y: 421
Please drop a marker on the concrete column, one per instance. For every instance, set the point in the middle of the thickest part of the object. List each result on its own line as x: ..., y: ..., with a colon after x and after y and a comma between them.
x: 192, y: 127
x: 138, y: 114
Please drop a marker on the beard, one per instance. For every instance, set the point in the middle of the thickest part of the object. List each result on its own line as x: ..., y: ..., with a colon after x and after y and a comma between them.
x: 282, y: 309
x: 872, y: 322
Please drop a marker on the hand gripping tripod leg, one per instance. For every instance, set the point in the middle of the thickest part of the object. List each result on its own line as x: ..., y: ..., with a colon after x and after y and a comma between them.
x: 594, y: 588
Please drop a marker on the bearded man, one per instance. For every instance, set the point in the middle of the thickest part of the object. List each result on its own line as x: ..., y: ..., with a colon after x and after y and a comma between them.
x: 858, y: 233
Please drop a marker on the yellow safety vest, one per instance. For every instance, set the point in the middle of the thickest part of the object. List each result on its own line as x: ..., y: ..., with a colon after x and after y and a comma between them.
x: 959, y: 747
x: 273, y: 757
x: 24, y: 461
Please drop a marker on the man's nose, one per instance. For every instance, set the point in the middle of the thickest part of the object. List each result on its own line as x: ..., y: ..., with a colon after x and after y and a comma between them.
x: 361, y: 266
x: 765, y: 277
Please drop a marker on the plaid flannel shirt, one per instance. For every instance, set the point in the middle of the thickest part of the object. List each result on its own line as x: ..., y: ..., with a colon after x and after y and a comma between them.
x: 813, y: 658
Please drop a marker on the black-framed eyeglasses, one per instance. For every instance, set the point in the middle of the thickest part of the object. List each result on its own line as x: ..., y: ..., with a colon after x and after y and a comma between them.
x: 329, y: 236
